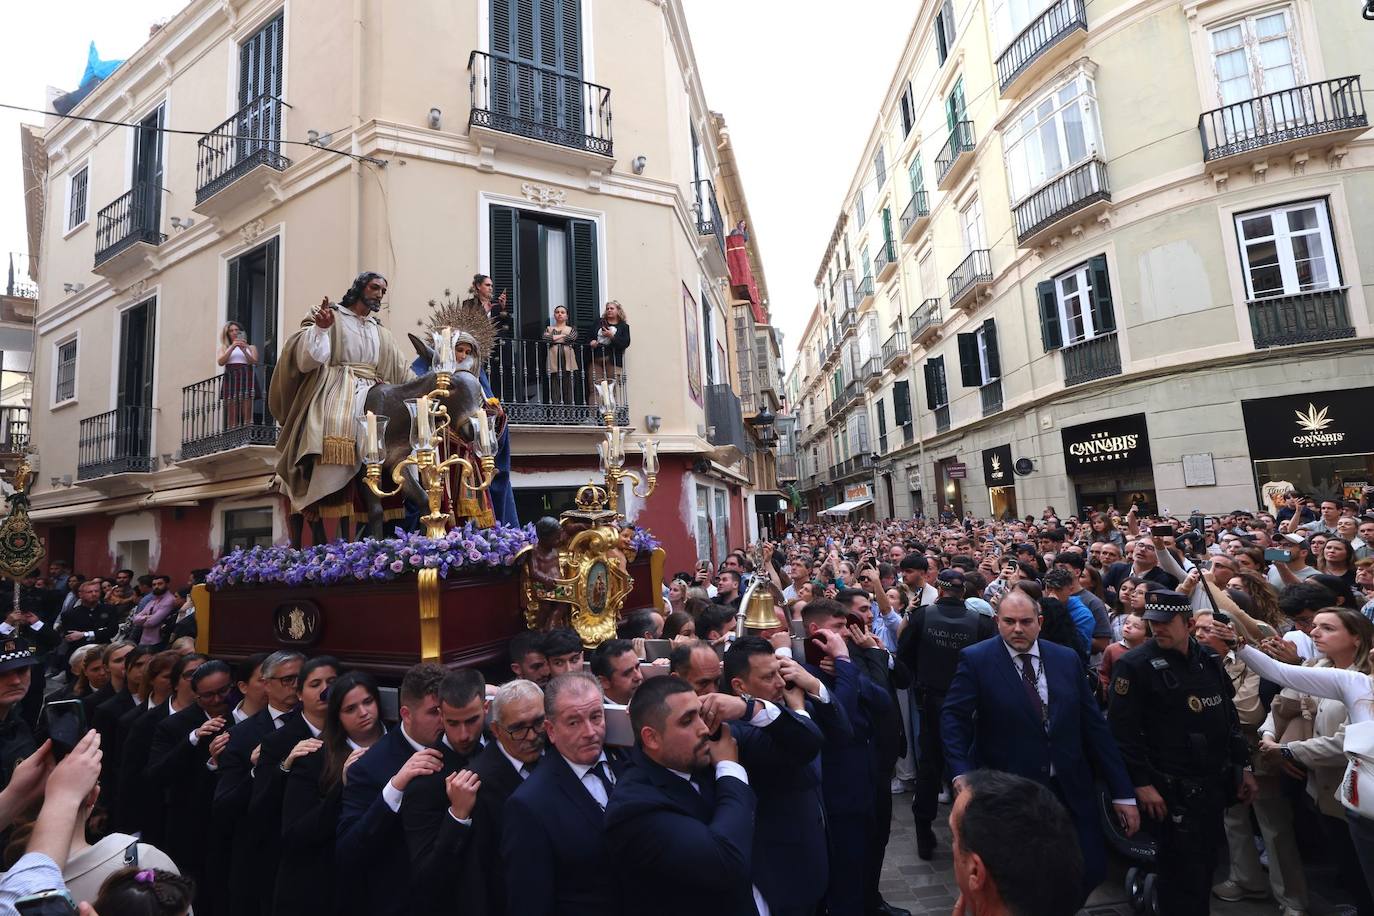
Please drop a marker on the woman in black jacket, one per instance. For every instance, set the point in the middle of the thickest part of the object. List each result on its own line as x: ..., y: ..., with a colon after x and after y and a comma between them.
x: 608, y: 348
x: 314, y: 788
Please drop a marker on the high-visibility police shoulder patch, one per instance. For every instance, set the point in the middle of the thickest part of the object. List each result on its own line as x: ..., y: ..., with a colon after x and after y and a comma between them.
x: 1121, y: 686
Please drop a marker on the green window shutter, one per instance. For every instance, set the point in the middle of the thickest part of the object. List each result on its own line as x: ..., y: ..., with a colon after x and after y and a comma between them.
x: 931, y: 393
x: 868, y: 265
x: 887, y: 233
x: 901, y: 402
x: 970, y: 373
x: 914, y: 172
x: 505, y: 251
x: 1050, y: 334
x: 269, y: 310
x: 1104, y: 316
x: 990, y: 344
x: 882, y: 418
x: 237, y: 301
x: 941, y: 381
x: 586, y: 277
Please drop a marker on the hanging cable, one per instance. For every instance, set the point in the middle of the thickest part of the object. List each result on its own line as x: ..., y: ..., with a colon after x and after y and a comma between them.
x: 196, y: 133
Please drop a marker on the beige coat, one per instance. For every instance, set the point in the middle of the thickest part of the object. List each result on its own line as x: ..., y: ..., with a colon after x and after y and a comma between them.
x: 1322, y: 754
x: 301, y: 400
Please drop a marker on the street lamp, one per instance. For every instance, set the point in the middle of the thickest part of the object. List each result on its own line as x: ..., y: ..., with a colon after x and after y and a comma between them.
x: 764, y: 425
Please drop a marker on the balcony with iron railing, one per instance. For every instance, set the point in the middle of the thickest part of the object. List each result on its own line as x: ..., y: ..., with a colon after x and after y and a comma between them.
x: 915, y: 216
x: 908, y: 433
x: 1092, y: 359
x: 14, y: 430
x: 127, y: 228
x: 1324, y: 113
x: 1080, y: 193
x: 991, y: 396
x: 545, y: 384
x: 849, y: 320
x: 118, y: 441
x: 955, y: 156
x: 924, y: 322
x: 882, y: 443
x: 1048, y: 39
x: 1309, y: 317
x: 871, y: 371
x: 223, y: 413
x: 787, y: 467
x: 885, y: 261
x: 971, y: 277
x: 865, y: 291
x: 707, y: 212
x: 537, y: 105
x: 855, y: 464
x: 725, y: 419
x: 240, y: 159
x: 842, y: 290
x: 896, y: 351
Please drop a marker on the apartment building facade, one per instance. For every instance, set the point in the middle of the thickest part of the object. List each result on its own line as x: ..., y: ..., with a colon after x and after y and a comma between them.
x: 563, y: 147
x: 1100, y: 254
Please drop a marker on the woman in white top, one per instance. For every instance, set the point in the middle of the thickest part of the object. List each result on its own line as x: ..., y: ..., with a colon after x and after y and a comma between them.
x: 238, y: 357
x: 1355, y: 689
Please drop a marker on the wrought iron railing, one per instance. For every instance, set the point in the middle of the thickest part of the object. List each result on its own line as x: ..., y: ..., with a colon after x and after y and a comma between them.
x: 118, y: 441
x: 991, y: 395
x: 1077, y: 188
x: 527, y: 100
x: 14, y: 429
x: 787, y: 467
x: 973, y: 270
x: 726, y: 419
x: 249, y: 138
x: 960, y: 141
x: 849, y: 320
x: 865, y: 288
x: 894, y: 347
x: 545, y: 384
x: 225, y: 412
x: 852, y: 465
x: 872, y: 367
x: 917, y: 208
x: 1305, y: 318
x: 887, y: 255
x: 1092, y: 359
x: 908, y: 433
x: 1277, y: 117
x: 924, y: 316
x: 882, y: 443
x: 942, y: 418
x: 707, y: 212
x: 131, y: 218
x: 1061, y: 18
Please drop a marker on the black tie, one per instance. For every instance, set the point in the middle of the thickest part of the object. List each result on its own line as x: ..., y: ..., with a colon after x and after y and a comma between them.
x: 599, y: 771
x: 1028, y: 676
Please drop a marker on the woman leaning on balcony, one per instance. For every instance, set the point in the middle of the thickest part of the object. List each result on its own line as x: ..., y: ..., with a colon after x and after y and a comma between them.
x: 238, y: 357
x: 609, y: 346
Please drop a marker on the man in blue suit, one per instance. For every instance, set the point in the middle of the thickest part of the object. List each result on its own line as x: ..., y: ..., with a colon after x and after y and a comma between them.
x: 370, y: 846
x: 683, y: 810
x: 1023, y: 705
x: 553, y: 847
x: 782, y: 758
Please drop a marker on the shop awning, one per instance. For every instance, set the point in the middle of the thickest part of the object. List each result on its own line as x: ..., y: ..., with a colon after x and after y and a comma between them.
x: 845, y: 508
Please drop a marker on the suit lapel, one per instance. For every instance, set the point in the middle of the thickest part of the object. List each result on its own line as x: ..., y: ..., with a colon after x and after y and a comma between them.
x: 572, y: 786
x: 1017, y: 683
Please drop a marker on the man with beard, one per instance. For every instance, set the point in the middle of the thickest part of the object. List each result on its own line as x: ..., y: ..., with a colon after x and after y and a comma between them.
x: 161, y: 604
x: 318, y: 390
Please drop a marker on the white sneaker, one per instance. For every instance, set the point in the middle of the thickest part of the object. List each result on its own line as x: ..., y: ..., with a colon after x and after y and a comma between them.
x: 944, y: 796
x: 901, y: 786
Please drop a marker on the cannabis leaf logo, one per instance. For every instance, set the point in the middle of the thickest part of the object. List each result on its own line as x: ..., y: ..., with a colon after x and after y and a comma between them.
x: 996, y: 463
x: 1314, y: 421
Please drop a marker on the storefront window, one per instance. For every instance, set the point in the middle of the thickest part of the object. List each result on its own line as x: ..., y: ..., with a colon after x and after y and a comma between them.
x: 1319, y: 443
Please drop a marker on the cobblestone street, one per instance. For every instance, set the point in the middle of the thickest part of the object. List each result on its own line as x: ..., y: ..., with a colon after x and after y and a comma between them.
x: 929, y: 887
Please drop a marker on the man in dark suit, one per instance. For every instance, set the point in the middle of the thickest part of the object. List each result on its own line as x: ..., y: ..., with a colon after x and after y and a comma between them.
x: 431, y: 831
x: 553, y: 849
x: 517, y: 724
x: 183, y: 744
x: 370, y: 848
x: 89, y: 620
x: 684, y: 808
x: 235, y: 837
x: 782, y: 758
x: 847, y: 764
x: 1023, y: 705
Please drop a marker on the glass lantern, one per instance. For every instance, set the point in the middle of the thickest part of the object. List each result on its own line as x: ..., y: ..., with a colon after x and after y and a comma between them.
x: 421, y: 422
x: 445, y: 358
x: 649, y: 449
x: 372, y: 438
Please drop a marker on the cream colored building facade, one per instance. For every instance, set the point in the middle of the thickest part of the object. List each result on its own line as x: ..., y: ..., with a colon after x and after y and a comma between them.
x: 1097, y: 254
x: 565, y: 148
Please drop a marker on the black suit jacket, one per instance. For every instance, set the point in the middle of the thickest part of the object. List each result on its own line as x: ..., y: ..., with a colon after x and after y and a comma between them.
x: 370, y: 849
x: 177, y: 771
x: 235, y: 836
x: 138, y: 808
x: 553, y: 849
x: 484, y: 884
x: 105, y: 719
x: 659, y: 828
x: 306, y: 881
x: 434, y: 840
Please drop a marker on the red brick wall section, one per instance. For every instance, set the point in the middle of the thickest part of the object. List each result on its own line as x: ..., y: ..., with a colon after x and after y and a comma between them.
x: 185, y: 542
x: 667, y: 515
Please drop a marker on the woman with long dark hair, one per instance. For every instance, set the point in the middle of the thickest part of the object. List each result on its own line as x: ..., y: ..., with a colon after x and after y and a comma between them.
x: 314, y: 789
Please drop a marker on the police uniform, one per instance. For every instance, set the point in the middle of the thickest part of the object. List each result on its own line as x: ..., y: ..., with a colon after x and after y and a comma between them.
x: 16, y: 740
x: 1173, y: 719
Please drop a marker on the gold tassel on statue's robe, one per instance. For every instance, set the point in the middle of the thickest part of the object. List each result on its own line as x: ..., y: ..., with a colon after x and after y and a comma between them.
x: 339, y: 450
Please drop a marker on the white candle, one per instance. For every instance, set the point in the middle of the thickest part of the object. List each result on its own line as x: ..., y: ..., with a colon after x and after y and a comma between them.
x: 422, y: 417
x: 371, y: 433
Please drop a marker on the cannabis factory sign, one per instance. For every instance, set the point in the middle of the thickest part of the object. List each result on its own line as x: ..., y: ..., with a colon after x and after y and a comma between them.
x: 1313, y: 424
x: 997, y: 466
x: 1107, y: 445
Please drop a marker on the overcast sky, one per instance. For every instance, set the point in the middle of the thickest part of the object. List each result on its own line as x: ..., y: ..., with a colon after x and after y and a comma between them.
x: 799, y: 92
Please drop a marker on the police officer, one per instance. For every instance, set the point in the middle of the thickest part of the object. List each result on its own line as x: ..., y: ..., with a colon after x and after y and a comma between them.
x: 930, y: 647
x: 1174, y: 721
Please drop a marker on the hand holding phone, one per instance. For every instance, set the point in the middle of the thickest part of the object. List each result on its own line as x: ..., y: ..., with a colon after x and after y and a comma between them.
x: 66, y: 724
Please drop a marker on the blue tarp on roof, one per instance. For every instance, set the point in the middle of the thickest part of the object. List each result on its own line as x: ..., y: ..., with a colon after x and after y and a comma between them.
x: 96, y: 71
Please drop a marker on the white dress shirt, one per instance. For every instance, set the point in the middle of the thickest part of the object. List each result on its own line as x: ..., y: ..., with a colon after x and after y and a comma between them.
x: 390, y: 794
x: 593, y: 785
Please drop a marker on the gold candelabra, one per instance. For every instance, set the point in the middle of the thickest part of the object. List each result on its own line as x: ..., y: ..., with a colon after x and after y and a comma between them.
x: 429, y: 418
x: 611, y: 453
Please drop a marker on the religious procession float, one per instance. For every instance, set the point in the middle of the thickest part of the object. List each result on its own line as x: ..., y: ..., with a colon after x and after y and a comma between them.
x: 364, y: 434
